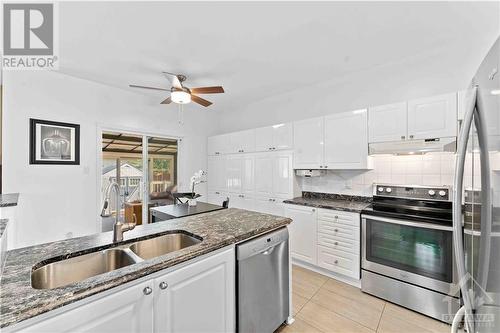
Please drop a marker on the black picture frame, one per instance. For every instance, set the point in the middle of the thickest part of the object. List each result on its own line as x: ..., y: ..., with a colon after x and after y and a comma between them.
x: 33, y: 142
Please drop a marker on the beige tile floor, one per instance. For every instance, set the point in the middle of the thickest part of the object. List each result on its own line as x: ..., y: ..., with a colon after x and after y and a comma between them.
x: 321, y: 304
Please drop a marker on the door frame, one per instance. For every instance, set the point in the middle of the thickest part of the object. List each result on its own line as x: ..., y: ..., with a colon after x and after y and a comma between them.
x: 145, y: 134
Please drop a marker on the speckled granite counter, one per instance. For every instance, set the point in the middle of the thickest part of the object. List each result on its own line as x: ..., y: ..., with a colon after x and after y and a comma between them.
x: 9, y: 200
x: 331, y: 201
x: 19, y: 301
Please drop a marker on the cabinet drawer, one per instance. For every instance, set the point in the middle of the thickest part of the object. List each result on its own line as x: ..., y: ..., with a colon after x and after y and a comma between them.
x: 339, y: 217
x: 339, y: 261
x: 338, y: 243
x: 333, y: 228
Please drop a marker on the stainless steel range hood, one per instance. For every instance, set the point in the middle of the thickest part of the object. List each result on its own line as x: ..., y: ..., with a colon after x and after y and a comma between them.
x: 412, y: 147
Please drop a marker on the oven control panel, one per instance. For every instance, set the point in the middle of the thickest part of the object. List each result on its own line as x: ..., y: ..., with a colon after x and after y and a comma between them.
x: 441, y: 193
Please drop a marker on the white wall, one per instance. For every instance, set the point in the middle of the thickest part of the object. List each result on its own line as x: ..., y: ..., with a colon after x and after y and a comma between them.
x: 57, y: 200
x: 423, y: 75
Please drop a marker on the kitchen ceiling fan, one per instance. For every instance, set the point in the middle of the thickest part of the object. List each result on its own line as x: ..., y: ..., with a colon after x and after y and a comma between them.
x: 183, y: 95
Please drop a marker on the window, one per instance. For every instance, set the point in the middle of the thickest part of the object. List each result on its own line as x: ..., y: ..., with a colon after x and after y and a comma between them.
x: 143, y: 182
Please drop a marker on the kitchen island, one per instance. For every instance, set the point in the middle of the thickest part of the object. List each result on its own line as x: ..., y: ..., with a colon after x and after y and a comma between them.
x: 218, y: 231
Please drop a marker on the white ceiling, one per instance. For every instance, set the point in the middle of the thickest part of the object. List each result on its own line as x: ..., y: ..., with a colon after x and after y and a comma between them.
x: 256, y: 50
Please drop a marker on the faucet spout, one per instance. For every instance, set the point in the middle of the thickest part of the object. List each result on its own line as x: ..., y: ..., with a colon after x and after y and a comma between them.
x: 118, y: 227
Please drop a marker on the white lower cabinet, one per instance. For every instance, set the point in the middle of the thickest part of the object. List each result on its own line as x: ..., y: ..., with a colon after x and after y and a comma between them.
x: 128, y: 310
x: 269, y: 205
x: 303, y: 233
x: 326, y: 238
x: 199, y: 297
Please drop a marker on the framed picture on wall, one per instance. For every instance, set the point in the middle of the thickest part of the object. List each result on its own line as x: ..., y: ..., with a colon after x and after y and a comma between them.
x: 54, y: 142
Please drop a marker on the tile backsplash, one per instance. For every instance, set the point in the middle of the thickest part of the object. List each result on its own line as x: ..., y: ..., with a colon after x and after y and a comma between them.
x: 428, y: 169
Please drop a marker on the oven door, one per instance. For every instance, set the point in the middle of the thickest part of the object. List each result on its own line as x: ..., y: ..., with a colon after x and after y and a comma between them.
x: 414, y: 252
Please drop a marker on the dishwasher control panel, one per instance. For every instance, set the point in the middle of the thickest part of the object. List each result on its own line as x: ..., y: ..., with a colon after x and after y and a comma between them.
x: 262, y: 243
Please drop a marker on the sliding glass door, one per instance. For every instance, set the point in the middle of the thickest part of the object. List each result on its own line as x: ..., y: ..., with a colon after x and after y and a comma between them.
x: 144, y: 167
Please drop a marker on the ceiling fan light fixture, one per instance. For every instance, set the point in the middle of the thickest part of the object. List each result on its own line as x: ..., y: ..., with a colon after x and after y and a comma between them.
x: 180, y: 97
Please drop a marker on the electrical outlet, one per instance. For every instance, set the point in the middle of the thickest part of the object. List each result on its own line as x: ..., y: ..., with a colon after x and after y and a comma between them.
x: 348, y: 184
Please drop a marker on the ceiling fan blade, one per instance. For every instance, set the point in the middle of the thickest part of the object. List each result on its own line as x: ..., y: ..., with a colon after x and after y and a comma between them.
x: 144, y: 87
x: 176, y: 82
x: 167, y: 101
x: 207, y: 90
x: 200, y: 100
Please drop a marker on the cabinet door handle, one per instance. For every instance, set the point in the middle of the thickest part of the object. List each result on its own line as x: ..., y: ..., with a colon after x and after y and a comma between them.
x: 336, y: 217
x: 336, y: 243
x: 336, y: 262
x: 313, y: 210
x: 336, y: 230
x: 326, y: 167
x: 147, y: 291
x: 270, y: 148
x: 411, y: 136
x: 403, y: 137
x: 321, y: 167
x: 163, y: 285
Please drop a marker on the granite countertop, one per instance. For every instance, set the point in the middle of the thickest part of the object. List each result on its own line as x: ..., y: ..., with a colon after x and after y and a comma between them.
x: 3, y: 225
x: 181, y: 210
x: 19, y: 301
x: 9, y: 199
x: 340, y: 202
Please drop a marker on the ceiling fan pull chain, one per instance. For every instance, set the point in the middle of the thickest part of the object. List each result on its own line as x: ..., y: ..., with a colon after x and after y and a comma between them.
x: 180, y: 114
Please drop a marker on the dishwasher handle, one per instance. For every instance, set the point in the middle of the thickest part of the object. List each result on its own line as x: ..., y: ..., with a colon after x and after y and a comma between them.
x: 263, y: 245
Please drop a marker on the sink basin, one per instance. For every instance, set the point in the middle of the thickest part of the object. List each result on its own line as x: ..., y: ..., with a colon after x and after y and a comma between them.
x: 155, y: 247
x: 79, y: 268
x: 64, y: 272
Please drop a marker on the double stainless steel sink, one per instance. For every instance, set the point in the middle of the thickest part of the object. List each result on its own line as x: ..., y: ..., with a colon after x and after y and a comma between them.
x: 75, y: 269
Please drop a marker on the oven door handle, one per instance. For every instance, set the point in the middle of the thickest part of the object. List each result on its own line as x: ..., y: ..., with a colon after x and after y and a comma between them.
x: 408, y: 223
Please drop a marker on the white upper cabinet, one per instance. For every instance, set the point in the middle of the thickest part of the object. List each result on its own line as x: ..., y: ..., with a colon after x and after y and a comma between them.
x: 346, y: 142
x: 240, y: 173
x: 308, y: 143
x: 387, y: 122
x: 276, y: 137
x: 218, y: 145
x: 264, y: 174
x: 242, y: 142
x: 282, y: 175
x: 432, y: 117
x: 274, y: 175
x: 216, y: 173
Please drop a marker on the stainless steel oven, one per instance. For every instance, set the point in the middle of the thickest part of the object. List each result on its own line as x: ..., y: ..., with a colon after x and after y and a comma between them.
x: 407, y: 249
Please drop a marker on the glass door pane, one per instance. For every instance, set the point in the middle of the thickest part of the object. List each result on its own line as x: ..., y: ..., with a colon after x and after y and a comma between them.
x: 122, y: 163
x: 422, y: 251
x: 161, y: 172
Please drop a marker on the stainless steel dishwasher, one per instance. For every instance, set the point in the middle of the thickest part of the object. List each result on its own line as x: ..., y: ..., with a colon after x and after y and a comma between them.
x: 263, y: 283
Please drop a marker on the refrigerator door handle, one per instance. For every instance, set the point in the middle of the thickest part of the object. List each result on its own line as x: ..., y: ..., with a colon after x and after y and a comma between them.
x: 486, y: 204
x: 457, y: 205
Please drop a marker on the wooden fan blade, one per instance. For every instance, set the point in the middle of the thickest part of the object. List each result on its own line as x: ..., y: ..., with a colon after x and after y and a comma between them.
x: 207, y: 90
x: 200, y: 100
x: 144, y: 87
x: 167, y: 101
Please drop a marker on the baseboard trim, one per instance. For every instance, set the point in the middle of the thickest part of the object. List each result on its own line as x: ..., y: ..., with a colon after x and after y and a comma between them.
x: 353, y: 282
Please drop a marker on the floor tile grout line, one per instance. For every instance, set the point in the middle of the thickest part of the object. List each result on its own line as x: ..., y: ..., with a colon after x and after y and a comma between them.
x: 381, y: 315
x: 343, y: 316
x: 306, y: 321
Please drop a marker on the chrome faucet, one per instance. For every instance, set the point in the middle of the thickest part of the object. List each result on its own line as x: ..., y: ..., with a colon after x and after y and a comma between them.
x: 118, y: 227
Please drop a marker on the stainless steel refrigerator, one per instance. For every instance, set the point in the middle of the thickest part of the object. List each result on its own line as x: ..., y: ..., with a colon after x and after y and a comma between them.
x: 476, y: 211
